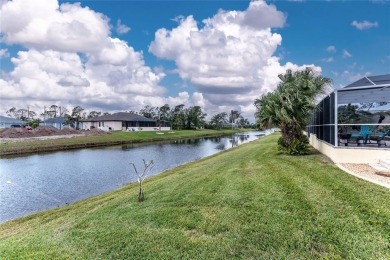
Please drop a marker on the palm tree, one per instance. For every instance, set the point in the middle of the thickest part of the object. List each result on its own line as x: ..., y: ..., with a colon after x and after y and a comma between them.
x: 218, y: 120
x: 234, y: 115
x: 290, y: 106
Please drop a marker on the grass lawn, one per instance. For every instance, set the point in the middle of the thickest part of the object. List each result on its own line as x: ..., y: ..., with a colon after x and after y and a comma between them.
x: 247, y: 202
x: 114, y: 138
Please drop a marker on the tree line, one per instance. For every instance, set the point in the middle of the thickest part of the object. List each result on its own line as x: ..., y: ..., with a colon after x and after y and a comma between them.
x: 180, y: 116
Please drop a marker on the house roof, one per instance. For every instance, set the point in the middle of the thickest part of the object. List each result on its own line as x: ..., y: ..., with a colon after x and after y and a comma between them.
x: 120, y: 116
x: 10, y: 120
x: 370, y: 81
x: 366, y: 90
x: 59, y: 120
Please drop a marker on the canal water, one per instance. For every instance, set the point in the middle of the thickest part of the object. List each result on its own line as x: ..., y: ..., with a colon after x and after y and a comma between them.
x: 38, y: 182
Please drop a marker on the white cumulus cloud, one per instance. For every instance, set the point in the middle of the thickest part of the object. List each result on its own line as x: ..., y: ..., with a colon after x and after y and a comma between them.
x: 228, y: 53
x: 71, y: 59
x: 230, y: 59
x: 47, y: 25
x: 121, y: 28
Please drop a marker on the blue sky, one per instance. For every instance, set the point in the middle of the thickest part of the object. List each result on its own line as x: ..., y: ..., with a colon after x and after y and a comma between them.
x: 344, y: 40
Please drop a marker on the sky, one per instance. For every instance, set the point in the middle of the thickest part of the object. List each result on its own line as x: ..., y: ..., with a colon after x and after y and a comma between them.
x: 122, y: 55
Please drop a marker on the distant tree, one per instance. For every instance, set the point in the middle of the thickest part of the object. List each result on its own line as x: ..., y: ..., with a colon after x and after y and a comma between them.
x: 243, y: 121
x: 31, y: 114
x: 195, y: 117
x: 178, y: 117
x: 93, y: 114
x: 149, y: 112
x: 233, y: 116
x: 12, y: 112
x: 74, y: 118
x: 165, y: 113
x: 63, y: 111
x: 21, y: 113
x: 218, y: 120
x: 53, y: 109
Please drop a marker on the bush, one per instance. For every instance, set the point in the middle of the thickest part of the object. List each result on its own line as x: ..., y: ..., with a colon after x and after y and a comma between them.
x: 281, y: 142
x: 297, y: 147
x: 33, y: 124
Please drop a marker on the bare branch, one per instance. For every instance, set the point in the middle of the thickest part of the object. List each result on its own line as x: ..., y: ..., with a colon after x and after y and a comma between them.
x: 141, y: 176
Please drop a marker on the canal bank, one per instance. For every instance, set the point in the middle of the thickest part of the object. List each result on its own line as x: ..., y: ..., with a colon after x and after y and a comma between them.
x: 28, y: 146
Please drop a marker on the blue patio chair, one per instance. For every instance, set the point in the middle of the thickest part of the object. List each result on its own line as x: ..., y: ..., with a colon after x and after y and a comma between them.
x: 365, y: 132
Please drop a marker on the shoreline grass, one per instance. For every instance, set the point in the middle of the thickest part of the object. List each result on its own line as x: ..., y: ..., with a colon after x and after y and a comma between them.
x: 246, y: 202
x: 115, y: 138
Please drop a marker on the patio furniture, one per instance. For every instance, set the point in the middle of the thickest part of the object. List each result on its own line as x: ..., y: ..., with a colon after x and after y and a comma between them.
x: 363, y: 134
x: 378, y: 138
x: 344, y: 138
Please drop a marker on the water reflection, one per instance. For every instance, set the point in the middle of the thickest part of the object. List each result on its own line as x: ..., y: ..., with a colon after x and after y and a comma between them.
x: 221, y: 147
x: 37, y: 182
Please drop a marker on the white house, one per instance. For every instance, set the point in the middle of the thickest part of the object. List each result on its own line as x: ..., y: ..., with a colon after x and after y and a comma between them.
x: 123, y: 121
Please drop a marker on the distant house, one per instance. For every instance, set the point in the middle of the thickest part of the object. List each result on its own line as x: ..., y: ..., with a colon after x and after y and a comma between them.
x: 57, y: 122
x: 7, y: 122
x: 123, y: 121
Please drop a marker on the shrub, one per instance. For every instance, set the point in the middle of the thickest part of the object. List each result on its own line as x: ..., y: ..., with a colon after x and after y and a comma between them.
x: 281, y: 142
x: 297, y: 147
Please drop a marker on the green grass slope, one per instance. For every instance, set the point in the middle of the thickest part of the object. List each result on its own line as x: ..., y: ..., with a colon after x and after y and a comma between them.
x: 247, y: 202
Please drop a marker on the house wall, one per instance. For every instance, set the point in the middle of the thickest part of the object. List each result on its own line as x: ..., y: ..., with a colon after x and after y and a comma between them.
x: 114, y: 125
x: 117, y: 126
x: 137, y: 129
x: 349, y: 154
x: 105, y: 125
x: 87, y: 125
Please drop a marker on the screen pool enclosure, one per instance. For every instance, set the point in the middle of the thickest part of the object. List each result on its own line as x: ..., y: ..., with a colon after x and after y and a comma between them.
x: 357, y: 114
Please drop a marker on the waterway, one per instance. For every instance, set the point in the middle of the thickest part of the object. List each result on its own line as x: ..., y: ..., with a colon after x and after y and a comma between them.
x: 43, y: 181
